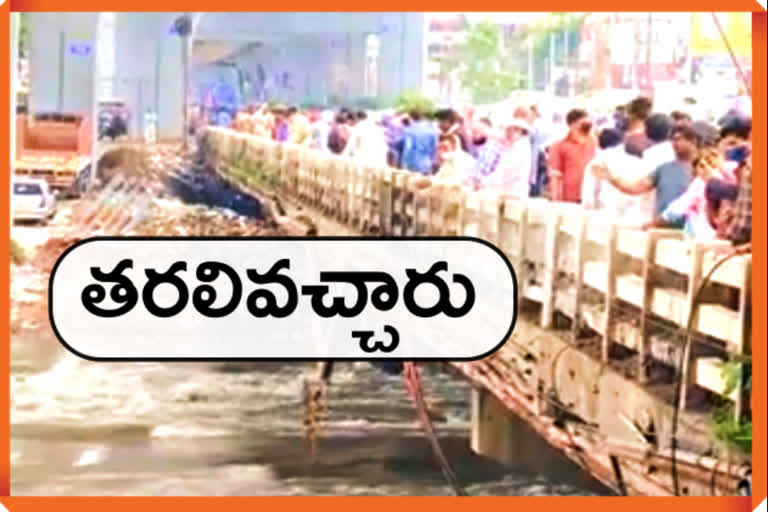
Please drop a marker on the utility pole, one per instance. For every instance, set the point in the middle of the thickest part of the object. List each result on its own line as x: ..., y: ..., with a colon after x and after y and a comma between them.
x: 183, y: 27
x: 15, y: 26
x: 648, y: 61
x: 552, y: 62
x: 530, y: 63
x: 95, y: 102
x: 566, y: 62
x: 185, y: 86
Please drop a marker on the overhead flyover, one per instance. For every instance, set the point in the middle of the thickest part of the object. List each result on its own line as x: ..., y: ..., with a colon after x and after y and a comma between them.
x: 303, y: 58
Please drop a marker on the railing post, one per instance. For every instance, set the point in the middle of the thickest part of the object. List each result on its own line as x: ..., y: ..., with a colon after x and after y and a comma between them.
x: 579, y: 241
x: 610, y: 290
x: 550, y: 269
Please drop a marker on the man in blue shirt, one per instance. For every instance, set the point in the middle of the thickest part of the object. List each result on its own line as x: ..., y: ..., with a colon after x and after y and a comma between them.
x: 669, y: 179
x: 419, y: 145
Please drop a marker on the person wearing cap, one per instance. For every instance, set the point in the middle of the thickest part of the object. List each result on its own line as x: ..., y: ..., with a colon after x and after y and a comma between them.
x: 512, y: 171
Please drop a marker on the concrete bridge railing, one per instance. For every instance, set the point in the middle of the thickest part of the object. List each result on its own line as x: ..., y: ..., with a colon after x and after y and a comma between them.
x: 623, y: 294
x: 561, y: 252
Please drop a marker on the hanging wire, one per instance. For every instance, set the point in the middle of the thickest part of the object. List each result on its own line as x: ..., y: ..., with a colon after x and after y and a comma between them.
x: 415, y: 389
x: 736, y: 63
x: 736, y: 251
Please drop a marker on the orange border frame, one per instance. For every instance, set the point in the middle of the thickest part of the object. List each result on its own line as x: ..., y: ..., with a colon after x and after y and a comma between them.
x: 338, y: 504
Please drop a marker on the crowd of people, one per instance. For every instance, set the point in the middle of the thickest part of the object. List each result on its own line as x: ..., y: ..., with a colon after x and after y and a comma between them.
x: 641, y: 167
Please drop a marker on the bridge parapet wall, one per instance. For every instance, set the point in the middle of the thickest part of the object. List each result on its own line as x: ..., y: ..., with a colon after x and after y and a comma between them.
x: 624, y: 294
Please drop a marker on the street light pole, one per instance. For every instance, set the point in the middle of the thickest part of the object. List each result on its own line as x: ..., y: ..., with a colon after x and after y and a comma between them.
x: 530, y: 62
x: 183, y: 27
x: 95, y: 104
x: 185, y: 113
x: 649, y: 81
x: 15, y: 25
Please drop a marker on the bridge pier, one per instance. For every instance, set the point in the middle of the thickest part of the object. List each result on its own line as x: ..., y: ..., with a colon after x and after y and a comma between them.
x: 494, y: 433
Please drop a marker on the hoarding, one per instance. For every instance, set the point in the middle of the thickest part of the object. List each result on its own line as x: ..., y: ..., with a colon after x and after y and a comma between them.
x: 706, y: 40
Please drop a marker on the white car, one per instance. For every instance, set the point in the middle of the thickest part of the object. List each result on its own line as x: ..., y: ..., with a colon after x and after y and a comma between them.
x: 32, y: 200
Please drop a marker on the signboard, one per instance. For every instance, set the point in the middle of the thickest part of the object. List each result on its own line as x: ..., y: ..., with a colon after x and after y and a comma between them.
x: 707, y: 42
x: 80, y: 48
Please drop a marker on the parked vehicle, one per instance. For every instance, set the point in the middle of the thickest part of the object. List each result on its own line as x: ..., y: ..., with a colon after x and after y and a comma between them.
x: 55, y: 147
x: 32, y: 200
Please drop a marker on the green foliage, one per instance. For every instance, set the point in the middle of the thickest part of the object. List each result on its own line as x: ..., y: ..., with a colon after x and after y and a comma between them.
x: 23, y: 33
x: 553, y: 28
x: 370, y: 103
x: 487, y: 72
x: 410, y: 101
x: 18, y: 256
x: 734, y: 433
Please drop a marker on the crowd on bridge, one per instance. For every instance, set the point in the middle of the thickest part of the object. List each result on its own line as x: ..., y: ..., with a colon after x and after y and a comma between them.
x: 641, y: 167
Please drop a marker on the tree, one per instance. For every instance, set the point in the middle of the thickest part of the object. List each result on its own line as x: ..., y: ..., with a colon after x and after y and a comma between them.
x: 556, y: 24
x: 23, y: 34
x: 410, y: 101
x: 486, y: 71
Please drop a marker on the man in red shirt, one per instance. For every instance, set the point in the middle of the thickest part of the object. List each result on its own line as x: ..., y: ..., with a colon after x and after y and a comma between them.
x: 568, y: 158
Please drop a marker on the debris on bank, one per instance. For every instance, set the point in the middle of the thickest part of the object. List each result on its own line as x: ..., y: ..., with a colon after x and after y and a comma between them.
x: 137, y: 193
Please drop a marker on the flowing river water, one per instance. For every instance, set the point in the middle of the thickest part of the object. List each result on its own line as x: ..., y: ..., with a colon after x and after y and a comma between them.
x: 85, y: 428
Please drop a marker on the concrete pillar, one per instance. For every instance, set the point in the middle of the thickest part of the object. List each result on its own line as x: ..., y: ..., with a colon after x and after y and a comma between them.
x: 148, y: 71
x: 15, y: 22
x: 497, y: 434
x: 170, y: 96
x: 61, y: 73
x: 402, y: 60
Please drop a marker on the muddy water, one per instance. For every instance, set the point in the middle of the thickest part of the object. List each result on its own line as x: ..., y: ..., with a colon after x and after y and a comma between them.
x: 83, y: 428
x: 87, y: 428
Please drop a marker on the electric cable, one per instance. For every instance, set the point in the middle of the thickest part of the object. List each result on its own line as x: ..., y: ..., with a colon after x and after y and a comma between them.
x: 415, y: 389
x: 736, y: 251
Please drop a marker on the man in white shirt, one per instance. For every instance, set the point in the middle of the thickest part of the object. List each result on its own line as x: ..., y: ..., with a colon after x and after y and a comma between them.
x: 600, y: 195
x: 367, y: 143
